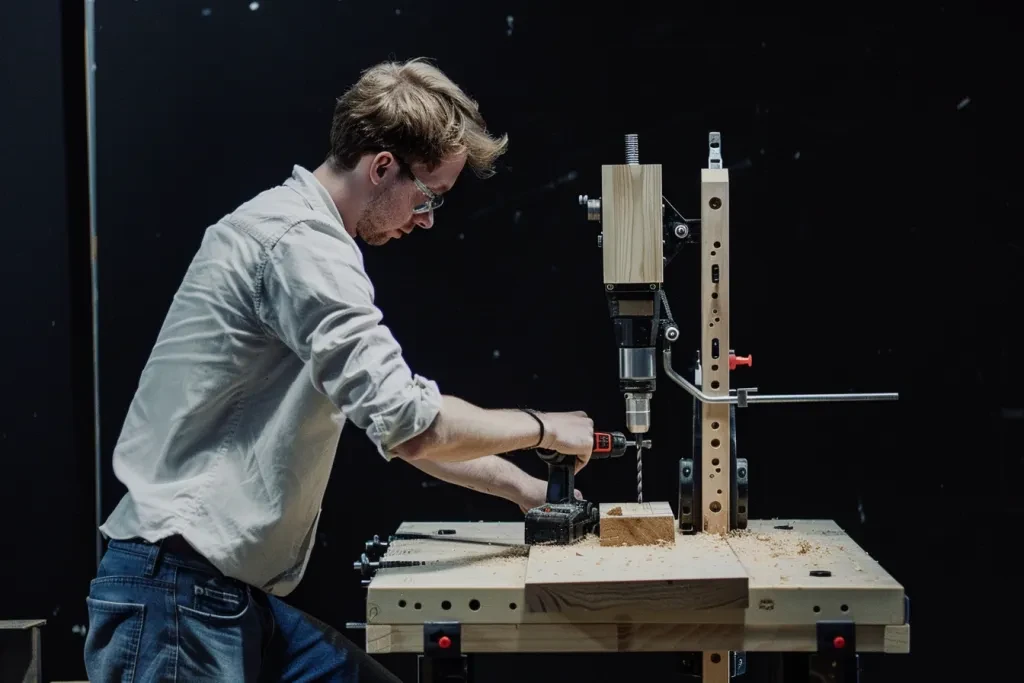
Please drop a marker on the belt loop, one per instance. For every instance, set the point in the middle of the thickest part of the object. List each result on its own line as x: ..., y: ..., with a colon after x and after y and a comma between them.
x: 152, y: 559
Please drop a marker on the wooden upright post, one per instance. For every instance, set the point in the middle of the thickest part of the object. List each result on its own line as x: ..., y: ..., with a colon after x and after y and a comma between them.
x: 714, y: 355
x: 714, y: 358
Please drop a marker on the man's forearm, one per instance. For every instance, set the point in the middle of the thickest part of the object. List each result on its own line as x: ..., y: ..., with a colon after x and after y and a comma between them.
x: 463, y: 431
x: 491, y: 474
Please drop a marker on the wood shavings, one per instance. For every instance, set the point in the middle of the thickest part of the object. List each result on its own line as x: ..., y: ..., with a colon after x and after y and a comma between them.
x: 615, y: 511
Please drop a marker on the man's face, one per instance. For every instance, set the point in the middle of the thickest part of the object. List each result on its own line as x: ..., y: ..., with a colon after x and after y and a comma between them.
x: 391, y: 209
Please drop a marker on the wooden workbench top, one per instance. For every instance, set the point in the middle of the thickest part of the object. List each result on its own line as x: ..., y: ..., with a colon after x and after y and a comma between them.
x: 761, y: 588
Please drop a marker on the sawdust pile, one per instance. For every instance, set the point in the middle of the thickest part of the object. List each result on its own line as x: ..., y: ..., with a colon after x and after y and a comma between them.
x: 615, y: 511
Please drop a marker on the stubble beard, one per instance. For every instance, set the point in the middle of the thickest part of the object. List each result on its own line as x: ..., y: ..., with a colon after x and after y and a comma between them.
x: 371, y: 226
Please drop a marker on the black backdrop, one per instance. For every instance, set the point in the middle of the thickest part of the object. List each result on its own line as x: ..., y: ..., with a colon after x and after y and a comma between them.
x: 872, y: 250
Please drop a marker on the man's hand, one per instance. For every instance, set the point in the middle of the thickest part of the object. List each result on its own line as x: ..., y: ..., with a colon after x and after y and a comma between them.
x: 533, y: 493
x: 569, y: 433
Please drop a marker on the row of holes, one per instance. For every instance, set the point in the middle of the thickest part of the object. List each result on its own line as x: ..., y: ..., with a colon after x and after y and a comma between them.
x: 446, y: 605
x: 844, y: 608
x: 715, y: 506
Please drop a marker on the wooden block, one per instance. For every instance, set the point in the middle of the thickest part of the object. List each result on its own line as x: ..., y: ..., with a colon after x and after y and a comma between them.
x: 637, y: 524
x: 697, y: 572
x: 632, y: 224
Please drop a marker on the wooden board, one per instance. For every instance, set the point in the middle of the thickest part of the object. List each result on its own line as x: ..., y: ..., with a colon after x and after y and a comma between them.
x: 629, y: 524
x: 634, y: 638
x: 461, y: 575
x: 779, y: 562
x: 775, y: 562
x: 695, y: 573
x: 632, y: 224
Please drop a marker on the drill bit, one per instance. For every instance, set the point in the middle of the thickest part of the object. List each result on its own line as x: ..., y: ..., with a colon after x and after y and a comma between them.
x: 640, y: 445
x: 639, y: 472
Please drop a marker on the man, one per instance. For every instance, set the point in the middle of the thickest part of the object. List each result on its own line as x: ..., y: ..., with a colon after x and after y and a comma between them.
x: 271, y: 344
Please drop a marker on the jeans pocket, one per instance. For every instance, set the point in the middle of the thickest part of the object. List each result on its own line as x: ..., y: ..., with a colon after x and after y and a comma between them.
x: 219, y: 635
x: 112, y: 642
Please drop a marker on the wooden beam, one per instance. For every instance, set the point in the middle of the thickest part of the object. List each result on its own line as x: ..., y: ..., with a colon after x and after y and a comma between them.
x: 631, y: 224
x: 711, y: 638
x: 715, y: 442
x: 637, y: 524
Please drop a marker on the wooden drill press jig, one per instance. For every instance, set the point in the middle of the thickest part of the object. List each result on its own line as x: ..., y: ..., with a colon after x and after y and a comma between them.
x: 718, y: 586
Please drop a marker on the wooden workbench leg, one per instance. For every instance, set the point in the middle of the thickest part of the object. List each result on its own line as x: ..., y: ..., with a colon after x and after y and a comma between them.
x: 714, y: 355
x: 716, y: 667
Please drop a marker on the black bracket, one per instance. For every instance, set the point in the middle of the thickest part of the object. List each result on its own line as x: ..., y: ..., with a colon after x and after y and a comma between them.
x: 442, y: 659
x: 836, y: 660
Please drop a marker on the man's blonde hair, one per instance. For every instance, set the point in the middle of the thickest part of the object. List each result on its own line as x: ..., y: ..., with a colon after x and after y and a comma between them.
x: 413, y: 110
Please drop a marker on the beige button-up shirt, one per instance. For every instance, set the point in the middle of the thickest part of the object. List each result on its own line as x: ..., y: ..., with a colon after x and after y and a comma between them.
x: 271, y: 344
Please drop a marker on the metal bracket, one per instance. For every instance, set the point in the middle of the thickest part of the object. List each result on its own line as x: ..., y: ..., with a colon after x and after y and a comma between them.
x: 442, y: 658
x: 836, y: 660
x: 714, y: 150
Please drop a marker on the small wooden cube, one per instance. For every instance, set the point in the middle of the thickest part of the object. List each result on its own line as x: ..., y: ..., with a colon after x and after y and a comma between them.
x: 637, y: 524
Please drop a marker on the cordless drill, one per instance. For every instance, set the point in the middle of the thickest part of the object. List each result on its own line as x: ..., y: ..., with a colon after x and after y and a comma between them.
x: 563, y: 519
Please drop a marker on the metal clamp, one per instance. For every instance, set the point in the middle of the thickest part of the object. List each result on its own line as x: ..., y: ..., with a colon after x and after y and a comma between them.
x: 836, y: 659
x: 442, y: 658
x: 743, y: 397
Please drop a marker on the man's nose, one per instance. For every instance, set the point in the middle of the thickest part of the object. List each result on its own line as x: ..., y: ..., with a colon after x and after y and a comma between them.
x: 425, y: 220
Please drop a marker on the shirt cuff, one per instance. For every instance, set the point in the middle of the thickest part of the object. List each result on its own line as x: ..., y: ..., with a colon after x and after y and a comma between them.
x: 409, y: 415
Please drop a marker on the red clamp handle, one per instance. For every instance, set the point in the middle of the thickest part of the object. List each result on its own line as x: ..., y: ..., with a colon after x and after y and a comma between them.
x: 735, y: 360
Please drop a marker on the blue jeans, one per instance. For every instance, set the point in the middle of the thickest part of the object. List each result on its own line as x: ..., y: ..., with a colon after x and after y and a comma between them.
x: 156, y: 615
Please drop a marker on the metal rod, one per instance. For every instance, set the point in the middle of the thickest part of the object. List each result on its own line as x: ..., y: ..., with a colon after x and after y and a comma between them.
x: 744, y: 398
x: 90, y: 80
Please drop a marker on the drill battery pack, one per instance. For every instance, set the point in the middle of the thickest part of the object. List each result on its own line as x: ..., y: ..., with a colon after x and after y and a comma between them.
x: 561, y: 523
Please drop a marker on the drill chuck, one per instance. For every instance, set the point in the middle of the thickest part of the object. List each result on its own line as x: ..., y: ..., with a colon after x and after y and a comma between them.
x: 638, y: 412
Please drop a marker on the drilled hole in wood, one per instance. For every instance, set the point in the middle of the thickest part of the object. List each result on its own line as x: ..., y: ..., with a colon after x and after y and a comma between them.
x: 401, y: 603
x: 714, y: 425
x: 512, y: 605
x: 717, y: 245
x: 845, y: 608
x: 715, y: 203
x: 715, y: 443
x: 714, y: 461
x: 718, y: 469
x: 715, y: 658
x: 715, y: 311
x: 711, y: 324
x: 417, y: 606
x: 717, y: 320
x: 714, y: 295
x: 474, y: 605
x: 719, y: 491
x: 817, y: 608
x: 714, y: 368
x: 715, y: 506
x: 446, y: 605
x: 715, y: 383
x: 714, y: 253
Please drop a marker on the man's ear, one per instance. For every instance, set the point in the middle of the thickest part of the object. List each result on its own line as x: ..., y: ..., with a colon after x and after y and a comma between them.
x: 381, y: 165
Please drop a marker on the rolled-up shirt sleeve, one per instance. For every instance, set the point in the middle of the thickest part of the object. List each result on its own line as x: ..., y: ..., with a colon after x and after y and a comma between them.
x: 317, y: 298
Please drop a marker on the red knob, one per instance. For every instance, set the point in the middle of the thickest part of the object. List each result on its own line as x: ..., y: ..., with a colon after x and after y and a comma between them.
x: 839, y: 642
x: 444, y: 642
x: 735, y: 360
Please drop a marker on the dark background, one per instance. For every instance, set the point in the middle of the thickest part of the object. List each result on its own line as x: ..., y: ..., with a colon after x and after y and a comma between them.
x: 874, y: 248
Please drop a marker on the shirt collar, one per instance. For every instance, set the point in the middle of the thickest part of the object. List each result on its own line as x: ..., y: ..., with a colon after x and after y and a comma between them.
x: 306, y: 184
